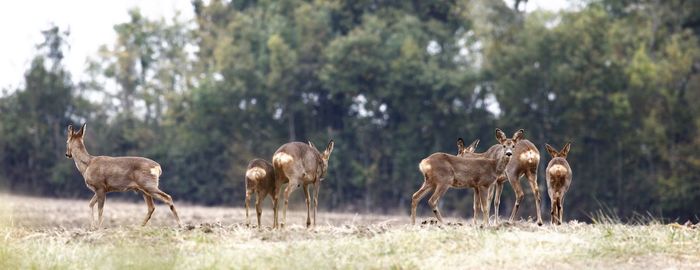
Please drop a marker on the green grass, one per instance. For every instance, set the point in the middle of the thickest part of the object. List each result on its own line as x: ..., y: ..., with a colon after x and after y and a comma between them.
x: 348, y: 244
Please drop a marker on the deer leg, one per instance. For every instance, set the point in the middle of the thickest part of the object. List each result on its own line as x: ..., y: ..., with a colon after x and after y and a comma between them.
x: 497, y: 199
x: 258, y: 206
x: 247, y: 205
x: 307, y: 198
x: 287, y: 191
x: 433, y: 201
x: 424, y: 189
x: 167, y: 199
x: 477, y: 206
x: 317, y: 187
x: 275, y: 204
x: 560, y: 207
x: 532, y: 179
x: 483, y: 196
x: 553, y: 209
x: 556, y: 211
x: 151, y: 208
x: 93, y: 201
x: 488, y: 198
x: 514, y: 180
x: 101, y: 196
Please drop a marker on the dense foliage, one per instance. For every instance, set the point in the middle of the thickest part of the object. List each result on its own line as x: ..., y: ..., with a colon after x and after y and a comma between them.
x: 390, y: 82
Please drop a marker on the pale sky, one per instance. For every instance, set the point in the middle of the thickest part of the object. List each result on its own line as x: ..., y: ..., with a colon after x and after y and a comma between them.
x: 91, y: 25
x: 90, y: 22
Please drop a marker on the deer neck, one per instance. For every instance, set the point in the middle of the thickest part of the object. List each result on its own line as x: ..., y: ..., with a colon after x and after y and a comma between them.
x: 501, y: 163
x: 82, y: 158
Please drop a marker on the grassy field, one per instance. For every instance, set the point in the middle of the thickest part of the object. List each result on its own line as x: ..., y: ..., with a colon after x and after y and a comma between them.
x: 49, y: 233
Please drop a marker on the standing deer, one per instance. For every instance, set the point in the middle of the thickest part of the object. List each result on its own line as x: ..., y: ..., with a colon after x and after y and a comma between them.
x: 470, y: 152
x: 297, y: 164
x: 558, y: 180
x: 105, y: 174
x: 259, y: 179
x: 526, y: 162
x: 442, y: 171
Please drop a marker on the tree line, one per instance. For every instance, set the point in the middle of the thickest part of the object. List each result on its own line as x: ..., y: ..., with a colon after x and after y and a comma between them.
x: 391, y: 82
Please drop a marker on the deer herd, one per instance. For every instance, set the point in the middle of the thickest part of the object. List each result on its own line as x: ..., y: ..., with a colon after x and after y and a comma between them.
x: 297, y: 164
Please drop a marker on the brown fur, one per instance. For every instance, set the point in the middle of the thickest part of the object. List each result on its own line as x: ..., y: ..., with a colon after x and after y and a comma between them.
x: 259, y: 179
x: 443, y: 171
x: 490, y: 153
x: 105, y: 174
x: 559, y: 177
x: 525, y: 160
x: 297, y: 164
x: 517, y: 168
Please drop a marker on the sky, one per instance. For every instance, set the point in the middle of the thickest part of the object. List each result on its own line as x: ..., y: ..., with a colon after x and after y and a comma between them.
x: 91, y: 25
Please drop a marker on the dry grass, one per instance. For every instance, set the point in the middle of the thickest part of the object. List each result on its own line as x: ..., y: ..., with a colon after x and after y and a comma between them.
x: 49, y: 233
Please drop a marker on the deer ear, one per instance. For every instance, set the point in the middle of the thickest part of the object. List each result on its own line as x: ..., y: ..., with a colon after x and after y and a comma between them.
x: 500, y: 136
x: 329, y: 149
x: 565, y: 151
x: 552, y: 152
x: 460, y: 146
x: 312, y: 145
x: 81, y: 133
x: 70, y: 130
x: 519, y: 135
x: 472, y: 147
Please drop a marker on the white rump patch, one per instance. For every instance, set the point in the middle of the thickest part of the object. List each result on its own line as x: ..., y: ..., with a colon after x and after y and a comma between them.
x: 282, y: 158
x: 424, y: 166
x: 529, y: 157
x: 557, y: 169
x: 255, y: 173
x: 155, y: 171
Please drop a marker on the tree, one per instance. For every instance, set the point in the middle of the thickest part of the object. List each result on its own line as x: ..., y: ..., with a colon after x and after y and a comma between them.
x: 34, y: 118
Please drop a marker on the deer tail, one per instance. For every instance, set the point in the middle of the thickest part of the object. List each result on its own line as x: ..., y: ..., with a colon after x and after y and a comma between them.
x: 530, y: 157
x: 424, y: 166
x: 255, y: 173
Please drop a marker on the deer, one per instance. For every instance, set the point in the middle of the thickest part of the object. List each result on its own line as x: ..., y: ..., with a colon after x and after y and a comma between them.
x: 442, y: 171
x: 104, y: 174
x: 259, y: 179
x: 469, y: 151
x: 558, y: 176
x: 298, y: 164
x: 525, y: 164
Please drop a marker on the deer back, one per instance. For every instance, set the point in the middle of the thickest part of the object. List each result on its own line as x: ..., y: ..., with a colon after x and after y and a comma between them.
x: 122, y: 173
x: 526, y: 157
x: 436, y: 167
x: 297, y: 160
x: 492, y: 153
x: 260, y: 175
x: 457, y: 171
x: 558, y: 176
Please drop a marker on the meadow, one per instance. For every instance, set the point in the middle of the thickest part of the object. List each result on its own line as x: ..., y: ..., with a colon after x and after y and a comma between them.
x: 41, y: 233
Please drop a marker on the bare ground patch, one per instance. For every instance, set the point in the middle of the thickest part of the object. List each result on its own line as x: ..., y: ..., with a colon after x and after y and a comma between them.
x: 50, y: 233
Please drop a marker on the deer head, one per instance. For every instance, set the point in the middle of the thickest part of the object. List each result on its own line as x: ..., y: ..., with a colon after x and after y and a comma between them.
x: 554, y: 153
x: 324, y: 156
x: 75, y: 139
x: 469, y: 149
x: 509, y: 143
